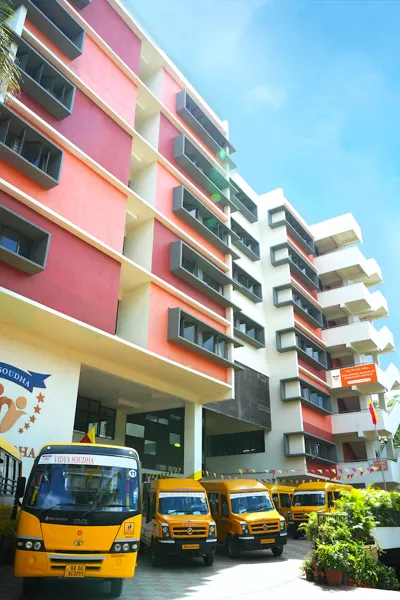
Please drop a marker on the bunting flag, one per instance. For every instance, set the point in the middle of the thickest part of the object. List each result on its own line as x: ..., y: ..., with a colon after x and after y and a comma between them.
x: 89, y: 437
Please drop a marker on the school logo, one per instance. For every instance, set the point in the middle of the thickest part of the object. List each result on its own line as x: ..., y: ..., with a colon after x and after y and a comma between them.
x: 21, y: 411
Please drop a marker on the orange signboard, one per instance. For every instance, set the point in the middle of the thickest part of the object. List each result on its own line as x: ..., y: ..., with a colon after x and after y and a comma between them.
x: 354, y: 375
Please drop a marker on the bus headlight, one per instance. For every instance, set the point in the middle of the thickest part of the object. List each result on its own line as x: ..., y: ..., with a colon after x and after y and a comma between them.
x: 117, y: 547
x: 283, y: 525
x: 165, y: 530
x: 30, y: 544
x: 211, y: 531
x: 244, y: 527
x: 125, y: 547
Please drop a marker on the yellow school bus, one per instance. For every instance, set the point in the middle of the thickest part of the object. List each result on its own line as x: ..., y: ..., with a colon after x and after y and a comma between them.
x: 282, y: 497
x: 10, y: 471
x: 80, y: 515
x: 177, y: 520
x: 246, y: 516
x: 318, y: 496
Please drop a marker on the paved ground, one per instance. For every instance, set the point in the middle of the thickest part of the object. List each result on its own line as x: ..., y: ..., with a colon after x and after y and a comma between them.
x: 251, y: 577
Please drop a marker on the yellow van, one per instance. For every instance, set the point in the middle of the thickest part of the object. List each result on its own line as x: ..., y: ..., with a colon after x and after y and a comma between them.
x: 246, y: 517
x: 318, y: 496
x: 177, y: 520
x: 282, y: 497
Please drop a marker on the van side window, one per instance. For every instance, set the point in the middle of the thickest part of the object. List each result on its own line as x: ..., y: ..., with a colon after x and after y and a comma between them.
x: 213, y: 500
x: 224, y: 506
x: 337, y: 495
x: 275, y: 498
x: 285, y: 500
x: 330, y: 499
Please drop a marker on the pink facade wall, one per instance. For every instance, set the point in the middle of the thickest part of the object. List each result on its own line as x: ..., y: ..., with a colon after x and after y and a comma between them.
x: 109, y: 25
x: 92, y: 130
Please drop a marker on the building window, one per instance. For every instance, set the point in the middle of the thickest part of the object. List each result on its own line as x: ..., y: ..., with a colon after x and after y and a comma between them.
x: 199, y: 337
x: 135, y: 430
x: 245, y: 241
x: 150, y: 447
x: 175, y: 439
x: 90, y: 413
x: 311, y: 350
x: 246, y: 284
x: 249, y: 331
x: 317, y: 449
x: 232, y: 444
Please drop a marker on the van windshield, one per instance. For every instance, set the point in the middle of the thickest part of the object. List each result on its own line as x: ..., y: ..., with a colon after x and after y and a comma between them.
x: 182, y: 503
x: 250, y: 502
x: 309, y: 498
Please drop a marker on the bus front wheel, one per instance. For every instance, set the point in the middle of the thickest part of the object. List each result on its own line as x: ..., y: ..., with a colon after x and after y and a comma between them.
x: 232, y: 547
x: 116, y: 587
x: 277, y: 551
x: 31, y: 586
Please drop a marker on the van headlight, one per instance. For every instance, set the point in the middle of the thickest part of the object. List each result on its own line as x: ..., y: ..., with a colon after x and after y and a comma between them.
x: 165, y: 530
x: 283, y: 525
x: 211, y: 531
x: 244, y: 527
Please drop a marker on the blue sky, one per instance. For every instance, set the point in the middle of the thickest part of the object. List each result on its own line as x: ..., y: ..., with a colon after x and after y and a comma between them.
x: 311, y: 90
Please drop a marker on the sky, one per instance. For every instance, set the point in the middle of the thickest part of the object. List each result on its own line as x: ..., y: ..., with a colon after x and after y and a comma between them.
x: 311, y: 90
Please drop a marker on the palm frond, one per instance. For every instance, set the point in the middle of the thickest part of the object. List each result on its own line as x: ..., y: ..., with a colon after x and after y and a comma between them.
x: 9, y: 72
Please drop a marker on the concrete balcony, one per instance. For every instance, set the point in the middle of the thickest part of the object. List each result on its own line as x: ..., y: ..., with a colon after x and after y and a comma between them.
x: 385, y: 382
x: 354, y: 299
x: 360, y: 422
x: 336, y: 233
x: 347, y: 264
x: 391, y: 473
x: 357, y: 338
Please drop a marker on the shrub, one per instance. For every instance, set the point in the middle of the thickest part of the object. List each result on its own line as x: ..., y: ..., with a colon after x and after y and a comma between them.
x: 386, y: 578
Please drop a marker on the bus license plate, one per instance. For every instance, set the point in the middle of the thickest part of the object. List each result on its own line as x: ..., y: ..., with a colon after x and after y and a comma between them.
x: 191, y: 546
x: 75, y: 571
x: 267, y: 541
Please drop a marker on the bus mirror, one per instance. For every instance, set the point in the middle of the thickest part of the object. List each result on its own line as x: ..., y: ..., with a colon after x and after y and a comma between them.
x: 20, y: 491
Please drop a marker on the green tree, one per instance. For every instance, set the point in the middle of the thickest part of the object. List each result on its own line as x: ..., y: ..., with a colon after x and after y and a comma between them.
x: 396, y: 438
x: 9, y: 73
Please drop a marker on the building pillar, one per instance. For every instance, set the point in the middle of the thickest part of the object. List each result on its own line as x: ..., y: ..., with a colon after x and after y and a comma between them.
x: 192, y: 462
x: 390, y: 451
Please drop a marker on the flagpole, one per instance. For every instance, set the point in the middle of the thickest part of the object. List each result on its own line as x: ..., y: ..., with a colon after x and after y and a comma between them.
x: 379, y: 457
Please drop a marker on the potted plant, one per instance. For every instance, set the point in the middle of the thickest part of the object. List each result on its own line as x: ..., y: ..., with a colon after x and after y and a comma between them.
x: 334, y: 560
x: 364, y: 569
x: 307, y: 567
x: 386, y: 578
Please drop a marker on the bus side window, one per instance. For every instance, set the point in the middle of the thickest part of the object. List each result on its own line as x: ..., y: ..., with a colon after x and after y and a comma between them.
x: 337, y: 495
x: 213, y: 500
x: 224, y: 507
x: 275, y: 498
x: 330, y: 499
x: 285, y: 500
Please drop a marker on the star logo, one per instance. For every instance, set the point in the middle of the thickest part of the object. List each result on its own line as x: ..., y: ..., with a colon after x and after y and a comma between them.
x: 26, y: 425
x: 40, y: 397
x: 32, y: 419
x: 37, y: 409
x: 21, y: 430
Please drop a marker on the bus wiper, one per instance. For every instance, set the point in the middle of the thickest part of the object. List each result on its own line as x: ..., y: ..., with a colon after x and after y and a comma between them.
x: 46, y: 510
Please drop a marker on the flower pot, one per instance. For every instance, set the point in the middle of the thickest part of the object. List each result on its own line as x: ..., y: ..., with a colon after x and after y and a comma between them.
x: 345, y: 578
x: 350, y: 582
x: 333, y: 577
x: 310, y: 575
x: 319, y: 577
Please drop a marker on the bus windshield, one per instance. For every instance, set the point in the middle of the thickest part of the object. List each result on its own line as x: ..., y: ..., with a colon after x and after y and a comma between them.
x: 309, y: 498
x: 250, y: 502
x: 83, y: 483
x: 182, y: 503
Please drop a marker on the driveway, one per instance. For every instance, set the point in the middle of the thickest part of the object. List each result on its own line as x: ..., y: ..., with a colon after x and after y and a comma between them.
x: 251, y: 577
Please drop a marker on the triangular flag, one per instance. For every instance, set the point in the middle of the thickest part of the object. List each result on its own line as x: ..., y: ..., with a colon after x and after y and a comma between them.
x: 253, y: 470
x: 266, y: 470
x: 319, y: 471
x: 333, y: 471
x: 241, y: 471
x: 293, y: 470
x: 90, y: 437
x: 279, y: 470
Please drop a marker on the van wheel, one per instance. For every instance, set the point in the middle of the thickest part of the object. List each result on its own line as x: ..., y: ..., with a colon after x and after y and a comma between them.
x: 154, y: 555
x: 232, y: 547
x: 31, y: 586
x: 208, y: 560
x: 277, y: 551
x: 116, y: 588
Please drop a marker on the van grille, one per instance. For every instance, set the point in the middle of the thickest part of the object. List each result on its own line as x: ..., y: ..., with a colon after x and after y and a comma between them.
x: 265, y: 527
x: 185, y: 531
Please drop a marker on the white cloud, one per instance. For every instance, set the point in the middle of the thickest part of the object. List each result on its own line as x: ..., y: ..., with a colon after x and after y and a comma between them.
x: 270, y: 95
